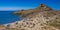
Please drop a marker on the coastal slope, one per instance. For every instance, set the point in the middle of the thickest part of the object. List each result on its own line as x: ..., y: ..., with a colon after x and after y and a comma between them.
x: 42, y: 18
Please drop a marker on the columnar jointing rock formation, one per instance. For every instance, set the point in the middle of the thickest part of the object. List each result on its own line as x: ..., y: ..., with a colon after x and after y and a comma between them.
x: 41, y: 18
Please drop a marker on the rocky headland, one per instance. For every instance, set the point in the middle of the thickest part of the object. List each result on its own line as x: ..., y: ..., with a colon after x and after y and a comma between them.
x: 40, y: 18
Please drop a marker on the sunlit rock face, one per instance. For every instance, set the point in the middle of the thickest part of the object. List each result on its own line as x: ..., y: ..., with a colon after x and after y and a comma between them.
x: 43, y: 7
x: 41, y: 18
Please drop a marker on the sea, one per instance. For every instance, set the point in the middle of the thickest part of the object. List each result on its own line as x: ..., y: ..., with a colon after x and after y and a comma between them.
x: 8, y: 17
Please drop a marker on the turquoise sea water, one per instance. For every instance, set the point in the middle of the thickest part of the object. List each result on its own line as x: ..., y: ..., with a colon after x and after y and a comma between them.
x: 8, y: 17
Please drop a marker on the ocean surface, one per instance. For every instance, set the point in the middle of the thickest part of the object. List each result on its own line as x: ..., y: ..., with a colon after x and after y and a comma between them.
x: 8, y: 17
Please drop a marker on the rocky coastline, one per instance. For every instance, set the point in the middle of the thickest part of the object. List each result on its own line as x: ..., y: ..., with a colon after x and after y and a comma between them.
x: 41, y: 18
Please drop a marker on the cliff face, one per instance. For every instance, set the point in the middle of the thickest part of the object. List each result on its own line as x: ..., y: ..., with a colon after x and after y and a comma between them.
x: 40, y: 19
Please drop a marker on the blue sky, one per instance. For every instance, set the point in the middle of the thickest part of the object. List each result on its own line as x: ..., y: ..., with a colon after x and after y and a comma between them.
x: 27, y: 4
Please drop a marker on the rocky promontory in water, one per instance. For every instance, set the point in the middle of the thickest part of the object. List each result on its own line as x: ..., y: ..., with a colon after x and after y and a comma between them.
x: 40, y: 18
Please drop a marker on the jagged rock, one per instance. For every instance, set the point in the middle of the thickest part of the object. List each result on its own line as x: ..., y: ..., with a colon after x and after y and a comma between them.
x: 44, y: 7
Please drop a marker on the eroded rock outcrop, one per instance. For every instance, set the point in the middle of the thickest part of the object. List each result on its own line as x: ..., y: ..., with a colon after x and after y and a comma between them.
x: 41, y: 7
